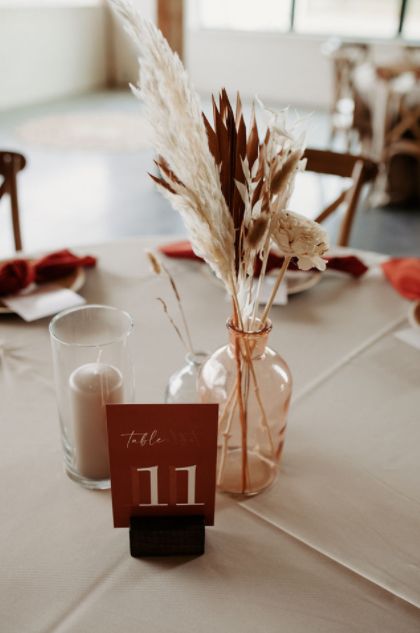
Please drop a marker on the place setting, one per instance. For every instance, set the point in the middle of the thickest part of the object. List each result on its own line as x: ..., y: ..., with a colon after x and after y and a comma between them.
x: 37, y: 288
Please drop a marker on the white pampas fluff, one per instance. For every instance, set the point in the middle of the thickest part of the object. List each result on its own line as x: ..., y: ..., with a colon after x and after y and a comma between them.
x: 174, y: 112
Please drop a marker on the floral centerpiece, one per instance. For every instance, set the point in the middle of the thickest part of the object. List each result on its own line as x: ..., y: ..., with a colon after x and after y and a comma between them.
x: 232, y: 188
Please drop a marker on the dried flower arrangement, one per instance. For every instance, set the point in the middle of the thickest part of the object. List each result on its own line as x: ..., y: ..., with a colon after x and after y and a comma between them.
x: 232, y: 190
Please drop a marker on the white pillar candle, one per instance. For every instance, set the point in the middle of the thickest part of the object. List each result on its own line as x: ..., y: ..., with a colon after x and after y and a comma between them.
x: 92, y: 386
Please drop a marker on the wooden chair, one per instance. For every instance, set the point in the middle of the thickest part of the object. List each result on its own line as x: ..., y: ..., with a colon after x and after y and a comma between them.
x: 345, y: 58
x: 358, y: 168
x: 402, y: 163
x: 10, y: 164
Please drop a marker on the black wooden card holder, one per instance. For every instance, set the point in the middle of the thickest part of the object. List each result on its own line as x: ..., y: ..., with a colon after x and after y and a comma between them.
x: 167, y: 536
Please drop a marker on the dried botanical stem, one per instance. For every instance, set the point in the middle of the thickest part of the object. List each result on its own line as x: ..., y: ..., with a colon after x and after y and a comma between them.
x: 242, y: 415
x: 226, y: 437
x: 261, y: 275
x: 227, y: 404
x: 279, y: 279
x: 258, y: 397
x: 236, y: 308
x: 181, y: 309
x: 245, y: 391
x: 282, y: 433
x: 158, y: 267
x: 172, y: 322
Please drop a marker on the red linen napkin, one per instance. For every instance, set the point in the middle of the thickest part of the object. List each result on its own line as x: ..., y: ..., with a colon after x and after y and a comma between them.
x: 347, y: 264
x: 60, y: 264
x: 15, y: 275
x: 403, y: 273
x: 19, y: 273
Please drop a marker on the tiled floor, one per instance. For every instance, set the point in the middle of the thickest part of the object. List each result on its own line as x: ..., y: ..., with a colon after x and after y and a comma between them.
x: 73, y: 196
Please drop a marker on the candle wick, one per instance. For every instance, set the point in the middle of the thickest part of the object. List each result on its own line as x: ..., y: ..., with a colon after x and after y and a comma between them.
x: 98, y: 359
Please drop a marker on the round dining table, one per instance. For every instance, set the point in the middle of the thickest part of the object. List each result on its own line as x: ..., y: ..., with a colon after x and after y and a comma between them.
x: 332, y: 546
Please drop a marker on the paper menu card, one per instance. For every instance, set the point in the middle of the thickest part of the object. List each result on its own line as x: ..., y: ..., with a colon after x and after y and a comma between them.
x: 38, y: 302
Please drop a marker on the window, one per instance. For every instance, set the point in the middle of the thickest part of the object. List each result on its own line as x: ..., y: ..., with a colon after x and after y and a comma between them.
x: 354, y: 18
x: 247, y: 15
x: 376, y: 18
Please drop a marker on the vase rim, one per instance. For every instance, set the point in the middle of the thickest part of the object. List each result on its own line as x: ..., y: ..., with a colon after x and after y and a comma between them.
x: 262, y: 331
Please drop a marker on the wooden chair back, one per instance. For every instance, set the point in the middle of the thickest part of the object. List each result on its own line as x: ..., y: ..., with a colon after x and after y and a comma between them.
x: 402, y: 163
x: 10, y: 164
x: 359, y: 169
x: 345, y: 59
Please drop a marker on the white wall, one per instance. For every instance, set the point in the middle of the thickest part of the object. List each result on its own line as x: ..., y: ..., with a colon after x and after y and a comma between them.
x: 48, y: 52
x: 288, y: 69
x: 284, y: 68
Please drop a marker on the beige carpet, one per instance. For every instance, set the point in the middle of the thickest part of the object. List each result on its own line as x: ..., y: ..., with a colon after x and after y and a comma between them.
x: 90, y: 131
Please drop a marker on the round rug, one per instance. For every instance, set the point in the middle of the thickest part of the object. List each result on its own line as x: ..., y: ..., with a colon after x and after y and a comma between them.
x: 91, y: 130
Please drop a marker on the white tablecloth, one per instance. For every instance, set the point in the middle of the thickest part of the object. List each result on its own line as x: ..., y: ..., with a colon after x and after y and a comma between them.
x: 332, y: 546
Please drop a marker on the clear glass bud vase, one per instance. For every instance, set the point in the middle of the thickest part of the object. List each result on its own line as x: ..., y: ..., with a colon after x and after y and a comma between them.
x: 182, y: 385
x: 252, y: 385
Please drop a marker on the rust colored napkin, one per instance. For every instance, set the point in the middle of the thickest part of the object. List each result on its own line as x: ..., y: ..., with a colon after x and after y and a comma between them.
x: 19, y: 273
x: 60, y: 264
x: 15, y: 275
x: 404, y: 275
x: 346, y: 264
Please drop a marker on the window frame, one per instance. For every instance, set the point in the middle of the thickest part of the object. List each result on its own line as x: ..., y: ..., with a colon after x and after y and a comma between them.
x: 399, y: 30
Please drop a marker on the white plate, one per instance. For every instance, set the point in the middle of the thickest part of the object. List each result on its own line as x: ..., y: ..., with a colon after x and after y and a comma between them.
x: 297, y: 281
x: 74, y: 282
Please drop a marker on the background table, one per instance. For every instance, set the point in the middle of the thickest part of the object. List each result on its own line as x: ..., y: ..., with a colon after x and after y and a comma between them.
x: 332, y: 546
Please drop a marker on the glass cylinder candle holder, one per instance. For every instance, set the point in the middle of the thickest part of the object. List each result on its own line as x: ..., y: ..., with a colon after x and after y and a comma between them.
x: 92, y: 367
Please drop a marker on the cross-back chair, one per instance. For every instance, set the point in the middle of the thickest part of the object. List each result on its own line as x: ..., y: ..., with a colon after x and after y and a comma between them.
x: 10, y: 164
x: 359, y: 169
x: 345, y: 58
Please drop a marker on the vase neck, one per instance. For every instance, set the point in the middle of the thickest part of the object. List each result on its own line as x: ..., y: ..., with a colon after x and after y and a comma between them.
x: 196, y: 359
x: 251, y: 342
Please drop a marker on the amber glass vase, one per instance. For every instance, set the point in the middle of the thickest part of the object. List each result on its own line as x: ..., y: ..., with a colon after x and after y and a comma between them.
x: 252, y: 385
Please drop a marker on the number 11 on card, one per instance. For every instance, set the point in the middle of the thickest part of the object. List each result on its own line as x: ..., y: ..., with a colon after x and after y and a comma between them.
x: 146, y: 484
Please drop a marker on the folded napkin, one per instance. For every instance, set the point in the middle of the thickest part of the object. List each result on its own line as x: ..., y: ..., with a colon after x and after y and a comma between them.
x: 346, y: 264
x: 19, y: 273
x: 60, y: 264
x: 15, y: 275
x: 404, y: 275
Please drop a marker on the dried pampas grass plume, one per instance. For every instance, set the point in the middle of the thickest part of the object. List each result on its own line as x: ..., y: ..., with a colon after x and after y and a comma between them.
x: 190, y: 177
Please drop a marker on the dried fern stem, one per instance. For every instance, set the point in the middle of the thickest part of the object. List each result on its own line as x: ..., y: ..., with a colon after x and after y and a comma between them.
x: 279, y: 279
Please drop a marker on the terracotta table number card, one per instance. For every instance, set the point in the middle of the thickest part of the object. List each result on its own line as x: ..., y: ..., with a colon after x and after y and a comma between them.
x: 163, y: 474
